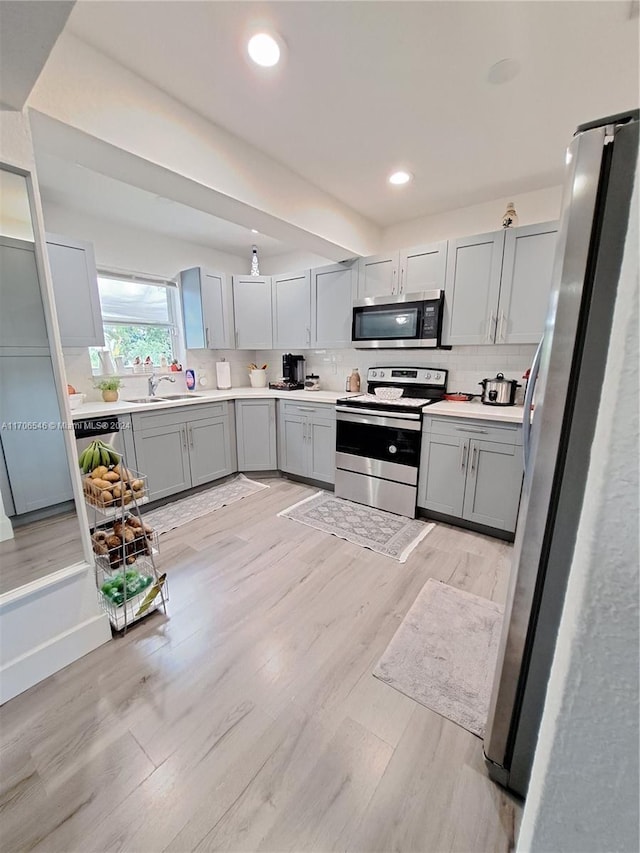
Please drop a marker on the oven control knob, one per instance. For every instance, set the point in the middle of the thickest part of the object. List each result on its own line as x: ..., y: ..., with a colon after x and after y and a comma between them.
x: 381, y: 373
x: 428, y: 376
x: 438, y: 377
x: 374, y: 372
x: 393, y: 448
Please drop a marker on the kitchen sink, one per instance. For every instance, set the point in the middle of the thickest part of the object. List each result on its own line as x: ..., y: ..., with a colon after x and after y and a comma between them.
x: 176, y: 396
x: 145, y: 400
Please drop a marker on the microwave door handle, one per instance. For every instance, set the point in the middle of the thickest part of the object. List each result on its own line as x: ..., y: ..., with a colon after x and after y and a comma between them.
x: 528, y: 398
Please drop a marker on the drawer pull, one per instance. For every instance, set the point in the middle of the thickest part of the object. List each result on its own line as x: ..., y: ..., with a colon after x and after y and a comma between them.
x: 476, y: 431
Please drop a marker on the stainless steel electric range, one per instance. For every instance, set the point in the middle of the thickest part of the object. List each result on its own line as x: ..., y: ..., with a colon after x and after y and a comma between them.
x: 378, y: 440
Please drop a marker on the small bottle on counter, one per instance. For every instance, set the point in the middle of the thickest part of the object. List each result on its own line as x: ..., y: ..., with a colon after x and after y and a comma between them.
x: 354, y: 381
x: 347, y: 386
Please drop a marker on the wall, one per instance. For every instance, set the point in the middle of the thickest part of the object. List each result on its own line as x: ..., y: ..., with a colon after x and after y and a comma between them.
x: 136, y: 249
x: 538, y: 206
x: 467, y: 365
x: 292, y: 262
x: 583, y: 794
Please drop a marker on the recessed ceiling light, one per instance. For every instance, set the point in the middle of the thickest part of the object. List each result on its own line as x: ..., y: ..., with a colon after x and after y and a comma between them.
x: 254, y: 231
x: 264, y: 50
x: 503, y: 71
x: 400, y: 177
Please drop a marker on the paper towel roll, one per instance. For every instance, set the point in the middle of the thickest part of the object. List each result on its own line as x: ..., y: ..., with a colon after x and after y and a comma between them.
x: 223, y: 375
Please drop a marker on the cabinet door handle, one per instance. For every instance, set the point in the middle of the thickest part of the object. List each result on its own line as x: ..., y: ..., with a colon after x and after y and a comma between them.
x: 184, y: 437
x: 487, y: 335
x: 473, y: 457
x: 468, y: 429
x: 190, y: 428
x: 206, y: 337
x: 463, y: 455
x: 394, y: 283
x: 401, y: 279
x: 503, y: 320
x: 308, y: 336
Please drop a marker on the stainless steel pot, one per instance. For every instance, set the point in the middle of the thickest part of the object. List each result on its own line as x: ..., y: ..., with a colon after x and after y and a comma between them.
x: 499, y: 391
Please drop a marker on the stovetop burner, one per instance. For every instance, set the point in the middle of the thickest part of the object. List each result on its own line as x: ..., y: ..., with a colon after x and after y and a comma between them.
x: 421, y: 386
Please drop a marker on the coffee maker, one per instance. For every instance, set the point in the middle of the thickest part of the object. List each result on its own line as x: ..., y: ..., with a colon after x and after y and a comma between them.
x: 292, y: 373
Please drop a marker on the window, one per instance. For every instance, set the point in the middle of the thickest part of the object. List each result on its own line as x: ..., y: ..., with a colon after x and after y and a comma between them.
x: 139, y: 320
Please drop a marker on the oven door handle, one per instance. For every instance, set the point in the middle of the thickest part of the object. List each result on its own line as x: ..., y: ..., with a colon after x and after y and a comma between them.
x: 366, y: 417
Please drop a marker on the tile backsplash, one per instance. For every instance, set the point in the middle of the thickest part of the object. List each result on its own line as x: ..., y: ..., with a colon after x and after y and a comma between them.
x: 466, y: 366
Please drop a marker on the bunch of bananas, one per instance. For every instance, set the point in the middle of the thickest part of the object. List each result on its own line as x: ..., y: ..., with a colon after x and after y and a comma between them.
x: 98, y: 453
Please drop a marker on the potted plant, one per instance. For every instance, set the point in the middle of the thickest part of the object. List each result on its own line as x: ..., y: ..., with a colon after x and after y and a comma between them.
x: 109, y: 388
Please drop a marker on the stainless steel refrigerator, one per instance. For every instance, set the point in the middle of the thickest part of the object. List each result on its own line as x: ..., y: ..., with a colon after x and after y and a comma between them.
x: 565, y: 383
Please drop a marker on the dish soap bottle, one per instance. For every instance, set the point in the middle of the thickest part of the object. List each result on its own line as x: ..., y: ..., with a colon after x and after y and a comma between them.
x: 354, y: 381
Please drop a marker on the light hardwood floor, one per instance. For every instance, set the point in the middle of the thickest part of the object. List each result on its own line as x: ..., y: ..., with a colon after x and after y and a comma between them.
x: 40, y: 548
x: 249, y: 719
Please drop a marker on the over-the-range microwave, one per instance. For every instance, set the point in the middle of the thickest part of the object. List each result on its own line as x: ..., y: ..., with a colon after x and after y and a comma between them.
x: 408, y: 320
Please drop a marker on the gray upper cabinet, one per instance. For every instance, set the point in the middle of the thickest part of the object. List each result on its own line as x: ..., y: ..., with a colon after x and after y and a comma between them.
x: 472, y: 289
x: 526, y: 281
x: 36, y: 459
x: 22, y: 321
x: 333, y: 289
x: 404, y: 271
x: 75, y: 285
x: 252, y: 312
x: 207, y: 309
x: 378, y: 275
x: 291, y: 310
x: 423, y: 268
x: 256, y: 435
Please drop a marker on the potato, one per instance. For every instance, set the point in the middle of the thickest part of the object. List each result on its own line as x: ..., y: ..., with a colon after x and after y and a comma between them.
x: 111, y: 476
x: 107, y: 498
x: 137, y: 485
x: 138, y: 495
x: 99, y: 472
x: 101, y: 484
x: 114, y: 541
x: 118, y: 490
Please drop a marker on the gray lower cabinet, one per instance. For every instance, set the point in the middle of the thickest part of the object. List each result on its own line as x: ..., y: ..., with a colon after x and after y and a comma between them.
x: 307, y: 440
x: 32, y: 435
x: 256, y: 435
x: 75, y: 286
x: 472, y: 470
x: 181, y: 448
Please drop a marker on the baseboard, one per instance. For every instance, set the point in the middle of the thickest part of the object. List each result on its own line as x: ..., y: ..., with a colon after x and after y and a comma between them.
x: 23, y: 672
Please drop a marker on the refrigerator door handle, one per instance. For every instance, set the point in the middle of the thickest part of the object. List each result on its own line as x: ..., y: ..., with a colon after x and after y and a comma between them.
x: 528, y: 399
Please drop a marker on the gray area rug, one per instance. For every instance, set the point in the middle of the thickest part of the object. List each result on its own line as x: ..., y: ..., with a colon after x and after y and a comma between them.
x: 444, y: 654
x: 173, y: 515
x: 392, y: 535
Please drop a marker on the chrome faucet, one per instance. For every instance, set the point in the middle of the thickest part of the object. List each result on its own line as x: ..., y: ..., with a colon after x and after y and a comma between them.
x: 153, y: 383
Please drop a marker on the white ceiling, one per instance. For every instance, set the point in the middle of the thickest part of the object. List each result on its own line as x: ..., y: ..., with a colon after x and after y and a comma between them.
x: 69, y: 185
x: 366, y: 87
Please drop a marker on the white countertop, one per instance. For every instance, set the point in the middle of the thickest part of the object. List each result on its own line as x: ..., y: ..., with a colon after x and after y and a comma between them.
x: 97, y: 409
x: 477, y: 410
x: 474, y: 409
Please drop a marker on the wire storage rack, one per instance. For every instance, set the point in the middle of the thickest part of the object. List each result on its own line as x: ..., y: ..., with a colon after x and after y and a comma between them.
x: 129, y: 585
